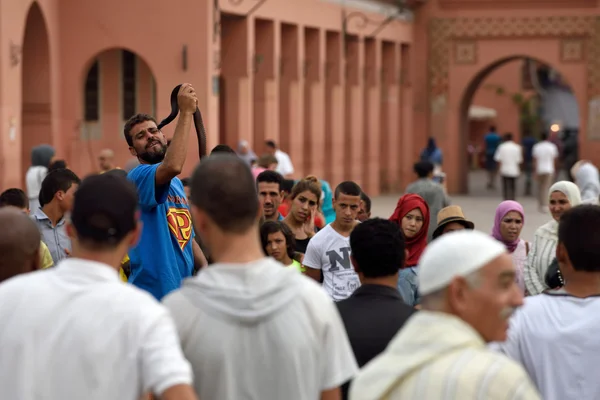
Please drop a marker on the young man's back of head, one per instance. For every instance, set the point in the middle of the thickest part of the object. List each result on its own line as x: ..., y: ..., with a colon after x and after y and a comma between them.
x: 578, y: 238
x: 14, y: 198
x: 223, y: 195
x: 377, y: 248
x: 104, y: 214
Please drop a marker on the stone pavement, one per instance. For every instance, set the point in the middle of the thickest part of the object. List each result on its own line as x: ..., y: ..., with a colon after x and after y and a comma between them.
x: 479, y: 207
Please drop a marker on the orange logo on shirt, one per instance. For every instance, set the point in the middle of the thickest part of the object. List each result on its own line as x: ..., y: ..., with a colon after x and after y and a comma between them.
x: 180, y: 224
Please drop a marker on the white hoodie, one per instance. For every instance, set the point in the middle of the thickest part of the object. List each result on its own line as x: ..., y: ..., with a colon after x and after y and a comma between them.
x: 260, y: 331
x: 438, y: 356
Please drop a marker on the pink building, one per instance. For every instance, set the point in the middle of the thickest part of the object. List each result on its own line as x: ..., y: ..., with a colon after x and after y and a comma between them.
x: 331, y: 91
x: 348, y: 92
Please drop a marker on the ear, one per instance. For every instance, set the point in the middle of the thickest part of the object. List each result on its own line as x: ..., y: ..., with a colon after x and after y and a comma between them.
x: 132, y: 151
x: 36, y: 262
x: 70, y: 229
x: 282, y: 194
x: 200, y: 221
x: 136, y: 234
x: 561, y: 254
x: 458, y: 295
x: 60, y: 195
x: 354, y: 264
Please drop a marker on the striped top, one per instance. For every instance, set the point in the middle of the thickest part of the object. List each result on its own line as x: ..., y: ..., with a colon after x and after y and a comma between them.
x: 439, y: 356
x: 541, y: 255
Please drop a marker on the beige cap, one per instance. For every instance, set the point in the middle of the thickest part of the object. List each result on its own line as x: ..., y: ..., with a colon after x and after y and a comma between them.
x: 451, y: 214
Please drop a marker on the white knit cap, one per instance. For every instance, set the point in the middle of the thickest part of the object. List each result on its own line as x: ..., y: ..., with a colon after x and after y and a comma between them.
x: 455, y: 254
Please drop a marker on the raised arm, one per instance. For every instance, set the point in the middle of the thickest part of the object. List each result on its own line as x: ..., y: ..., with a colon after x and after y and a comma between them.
x: 174, y: 160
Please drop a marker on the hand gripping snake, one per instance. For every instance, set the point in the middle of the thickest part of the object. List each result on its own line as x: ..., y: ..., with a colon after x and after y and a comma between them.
x: 198, y: 123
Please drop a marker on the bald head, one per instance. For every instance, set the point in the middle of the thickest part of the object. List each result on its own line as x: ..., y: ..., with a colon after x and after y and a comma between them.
x: 223, y: 187
x: 19, y: 245
x: 105, y: 158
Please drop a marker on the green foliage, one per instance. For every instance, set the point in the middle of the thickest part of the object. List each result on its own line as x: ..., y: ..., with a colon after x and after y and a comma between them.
x: 528, y: 115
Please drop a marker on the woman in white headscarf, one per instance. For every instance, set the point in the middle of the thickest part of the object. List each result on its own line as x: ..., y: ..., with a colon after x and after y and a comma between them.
x: 588, y: 180
x: 562, y: 196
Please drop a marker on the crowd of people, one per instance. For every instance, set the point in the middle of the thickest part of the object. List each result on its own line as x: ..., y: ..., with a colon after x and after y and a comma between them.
x: 245, y: 284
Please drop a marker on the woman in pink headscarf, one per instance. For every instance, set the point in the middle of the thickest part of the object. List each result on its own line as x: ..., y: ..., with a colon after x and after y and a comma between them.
x: 508, y: 223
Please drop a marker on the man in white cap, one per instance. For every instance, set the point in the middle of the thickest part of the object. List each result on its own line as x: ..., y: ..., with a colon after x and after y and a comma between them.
x: 468, y: 289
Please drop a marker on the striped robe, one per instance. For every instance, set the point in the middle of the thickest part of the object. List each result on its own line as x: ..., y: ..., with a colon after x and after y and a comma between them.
x: 438, y: 356
x: 541, y: 255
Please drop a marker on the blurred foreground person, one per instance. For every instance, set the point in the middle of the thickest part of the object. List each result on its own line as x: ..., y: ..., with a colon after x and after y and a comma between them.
x: 76, y: 331
x: 554, y: 335
x: 441, y: 353
x: 375, y: 312
x: 251, y: 328
x: 19, y: 246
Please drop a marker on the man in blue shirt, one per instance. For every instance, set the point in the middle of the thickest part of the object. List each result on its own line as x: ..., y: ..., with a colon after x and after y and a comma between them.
x: 166, y: 252
x: 492, y: 140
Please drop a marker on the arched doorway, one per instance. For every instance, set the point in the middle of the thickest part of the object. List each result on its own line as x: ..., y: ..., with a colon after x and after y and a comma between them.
x: 117, y: 83
x: 36, y: 108
x: 461, y: 49
x: 522, y: 96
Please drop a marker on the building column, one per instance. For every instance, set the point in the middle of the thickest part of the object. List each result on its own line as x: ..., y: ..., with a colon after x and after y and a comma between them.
x: 235, y: 86
x: 313, y: 73
x: 334, y: 116
x: 291, y: 133
x: 266, y: 92
x: 372, y: 112
x: 409, y: 146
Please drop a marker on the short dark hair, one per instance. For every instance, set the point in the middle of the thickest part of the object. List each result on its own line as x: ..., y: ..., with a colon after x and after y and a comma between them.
x: 378, y: 247
x: 104, y: 210
x: 544, y: 135
x: 58, y: 164
x: 367, y: 200
x: 423, y: 168
x: 59, y: 179
x: 186, y: 182
x: 270, y: 227
x: 269, y: 176
x: 117, y: 172
x: 288, y: 185
x: 133, y: 121
x: 271, y: 143
x: 348, y: 188
x: 577, y: 231
x: 14, y: 197
x: 493, y: 128
x: 508, y: 136
x: 224, y: 188
x: 222, y: 148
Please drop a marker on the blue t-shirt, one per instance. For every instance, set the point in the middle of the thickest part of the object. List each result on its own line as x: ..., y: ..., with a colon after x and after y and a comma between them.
x: 164, y: 255
x: 492, y: 141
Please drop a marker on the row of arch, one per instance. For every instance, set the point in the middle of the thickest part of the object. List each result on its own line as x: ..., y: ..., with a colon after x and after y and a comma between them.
x: 123, y: 74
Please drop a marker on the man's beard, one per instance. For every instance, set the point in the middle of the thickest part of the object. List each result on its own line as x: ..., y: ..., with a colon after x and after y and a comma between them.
x: 154, y: 158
